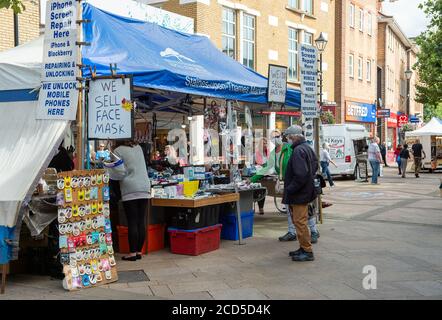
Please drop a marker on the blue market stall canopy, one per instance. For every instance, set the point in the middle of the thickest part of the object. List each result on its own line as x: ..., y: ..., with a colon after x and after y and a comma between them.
x: 164, y: 59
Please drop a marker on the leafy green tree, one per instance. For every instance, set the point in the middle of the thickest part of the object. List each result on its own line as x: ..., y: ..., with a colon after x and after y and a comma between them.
x: 432, y: 111
x: 429, y: 64
x: 16, y: 5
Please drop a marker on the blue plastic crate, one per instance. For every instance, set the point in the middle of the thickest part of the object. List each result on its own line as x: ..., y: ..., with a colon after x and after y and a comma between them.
x: 230, y: 225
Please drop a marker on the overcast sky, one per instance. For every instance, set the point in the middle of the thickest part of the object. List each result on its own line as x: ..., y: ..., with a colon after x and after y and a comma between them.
x: 410, y: 18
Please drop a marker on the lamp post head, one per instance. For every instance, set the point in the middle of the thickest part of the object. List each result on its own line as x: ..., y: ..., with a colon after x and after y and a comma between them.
x: 408, y: 74
x: 321, y: 43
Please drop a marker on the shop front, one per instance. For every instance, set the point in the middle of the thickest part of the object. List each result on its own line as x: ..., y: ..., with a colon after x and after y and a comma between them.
x: 392, y: 133
x: 361, y: 113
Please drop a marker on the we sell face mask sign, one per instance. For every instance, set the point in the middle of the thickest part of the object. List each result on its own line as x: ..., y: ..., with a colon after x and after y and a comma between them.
x: 110, y: 109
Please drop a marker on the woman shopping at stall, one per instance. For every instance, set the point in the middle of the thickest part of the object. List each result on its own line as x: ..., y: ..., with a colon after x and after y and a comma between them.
x: 134, y: 193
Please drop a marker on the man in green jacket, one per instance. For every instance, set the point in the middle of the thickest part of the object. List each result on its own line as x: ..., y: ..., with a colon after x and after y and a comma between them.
x: 278, y: 161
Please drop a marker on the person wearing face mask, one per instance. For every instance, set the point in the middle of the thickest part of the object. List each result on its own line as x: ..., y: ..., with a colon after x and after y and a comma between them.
x: 272, y: 165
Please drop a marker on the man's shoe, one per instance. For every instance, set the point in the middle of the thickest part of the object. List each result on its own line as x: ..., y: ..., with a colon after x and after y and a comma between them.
x: 314, y: 237
x: 304, y: 256
x: 288, y: 237
x: 295, y: 253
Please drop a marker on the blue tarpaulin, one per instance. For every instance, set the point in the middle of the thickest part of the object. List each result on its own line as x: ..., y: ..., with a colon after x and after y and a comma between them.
x: 165, y: 59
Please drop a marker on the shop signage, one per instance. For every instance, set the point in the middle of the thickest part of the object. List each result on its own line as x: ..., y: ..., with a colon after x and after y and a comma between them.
x: 337, y: 147
x: 360, y: 112
x: 110, y: 110
x: 309, y: 132
x: 309, y: 81
x: 414, y: 119
x: 383, y: 113
x: 402, y: 119
x: 277, y: 84
x: 58, y: 94
x: 392, y: 120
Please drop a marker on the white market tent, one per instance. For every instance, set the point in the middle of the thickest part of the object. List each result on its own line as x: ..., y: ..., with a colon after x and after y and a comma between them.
x: 26, y: 144
x: 432, y: 128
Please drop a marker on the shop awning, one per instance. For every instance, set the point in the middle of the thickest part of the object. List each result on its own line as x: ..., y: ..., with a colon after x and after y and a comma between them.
x: 164, y: 59
x: 432, y: 128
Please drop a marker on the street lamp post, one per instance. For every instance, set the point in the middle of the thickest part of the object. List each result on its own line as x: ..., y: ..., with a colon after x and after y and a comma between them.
x: 321, y: 43
x: 408, y: 75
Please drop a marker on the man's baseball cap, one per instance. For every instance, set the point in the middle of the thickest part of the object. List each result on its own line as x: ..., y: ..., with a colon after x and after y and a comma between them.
x: 295, y: 130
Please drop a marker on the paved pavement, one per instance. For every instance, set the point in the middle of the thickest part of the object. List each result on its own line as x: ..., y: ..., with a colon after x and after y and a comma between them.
x: 395, y: 226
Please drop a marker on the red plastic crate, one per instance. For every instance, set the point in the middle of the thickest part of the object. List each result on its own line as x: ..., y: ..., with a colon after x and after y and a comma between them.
x: 156, y: 238
x: 195, y: 242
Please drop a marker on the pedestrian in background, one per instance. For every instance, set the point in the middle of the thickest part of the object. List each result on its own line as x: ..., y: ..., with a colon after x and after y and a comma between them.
x: 417, y: 157
x: 299, y: 191
x: 405, y: 155
x: 325, y: 162
x: 375, y: 159
x: 397, y: 156
x: 383, y: 150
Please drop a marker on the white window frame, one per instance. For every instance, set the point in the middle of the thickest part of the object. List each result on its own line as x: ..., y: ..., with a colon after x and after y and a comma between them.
x: 305, y: 34
x: 308, y: 3
x: 294, y: 4
x: 368, y: 71
x: 360, y: 68
x: 293, y: 55
x: 351, y: 15
x: 246, y: 42
x: 351, y: 62
x: 369, y: 24
x: 230, y: 36
x: 361, y: 19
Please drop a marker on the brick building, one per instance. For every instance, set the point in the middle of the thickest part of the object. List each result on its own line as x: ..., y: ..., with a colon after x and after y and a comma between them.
x: 21, y: 28
x: 396, y: 54
x: 258, y: 34
x: 356, y: 60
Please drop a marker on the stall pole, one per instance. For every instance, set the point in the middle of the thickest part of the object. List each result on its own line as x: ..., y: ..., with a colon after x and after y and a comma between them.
x: 4, y: 270
x: 234, y: 169
x: 80, y: 137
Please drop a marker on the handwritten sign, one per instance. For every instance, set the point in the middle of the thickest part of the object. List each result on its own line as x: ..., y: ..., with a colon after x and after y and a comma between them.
x: 309, y: 81
x: 277, y: 83
x: 58, y: 94
x: 110, y: 110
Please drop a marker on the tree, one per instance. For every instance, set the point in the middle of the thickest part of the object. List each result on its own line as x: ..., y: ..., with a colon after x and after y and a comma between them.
x: 16, y: 5
x: 432, y: 111
x: 429, y: 63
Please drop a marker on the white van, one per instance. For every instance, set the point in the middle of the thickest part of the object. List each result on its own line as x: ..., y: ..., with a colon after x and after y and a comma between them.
x: 348, y: 142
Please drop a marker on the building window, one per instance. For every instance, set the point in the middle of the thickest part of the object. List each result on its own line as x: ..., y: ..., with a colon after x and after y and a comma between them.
x: 294, y: 4
x: 360, y: 74
x: 351, y: 65
x: 369, y: 24
x: 249, y: 41
x: 351, y: 16
x: 368, y: 70
x: 293, y: 54
x: 361, y: 20
x: 308, y: 38
x: 308, y: 6
x: 229, y: 32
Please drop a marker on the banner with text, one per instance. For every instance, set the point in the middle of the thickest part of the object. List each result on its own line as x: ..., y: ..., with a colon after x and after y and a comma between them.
x: 309, y: 81
x: 58, y: 97
x: 110, y: 109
